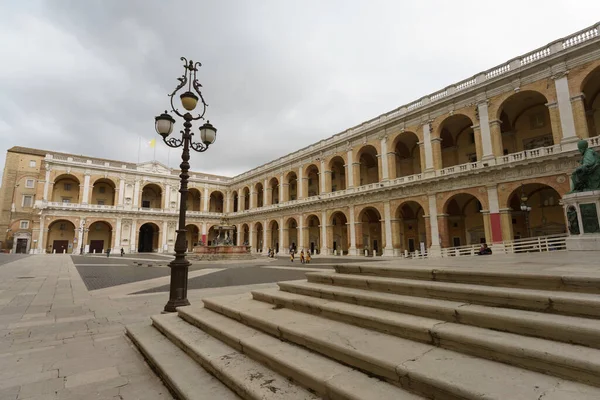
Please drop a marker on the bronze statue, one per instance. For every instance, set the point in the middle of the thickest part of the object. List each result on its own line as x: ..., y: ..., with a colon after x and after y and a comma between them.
x: 586, y: 177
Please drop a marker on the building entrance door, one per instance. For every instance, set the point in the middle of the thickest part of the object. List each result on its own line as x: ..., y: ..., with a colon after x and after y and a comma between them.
x: 97, y: 245
x: 60, y: 246
x: 21, y: 246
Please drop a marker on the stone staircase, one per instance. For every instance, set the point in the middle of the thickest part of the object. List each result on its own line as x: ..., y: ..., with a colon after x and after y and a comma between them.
x: 374, y: 332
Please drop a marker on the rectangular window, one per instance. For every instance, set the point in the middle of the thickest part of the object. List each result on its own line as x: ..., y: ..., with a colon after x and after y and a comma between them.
x: 27, y: 201
x: 102, y: 189
x: 66, y: 200
x: 62, y: 226
x: 24, y: 225
x: 29, y: 183
x: 32, y: 164
x: 67, y: 187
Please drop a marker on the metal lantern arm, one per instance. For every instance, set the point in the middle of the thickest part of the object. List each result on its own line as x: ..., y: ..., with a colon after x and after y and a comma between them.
x: 190, y: 68
x: 199, y: 147
x: 173, y: 142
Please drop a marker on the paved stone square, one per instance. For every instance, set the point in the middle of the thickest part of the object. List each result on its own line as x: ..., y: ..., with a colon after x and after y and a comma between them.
x: 59, y: 340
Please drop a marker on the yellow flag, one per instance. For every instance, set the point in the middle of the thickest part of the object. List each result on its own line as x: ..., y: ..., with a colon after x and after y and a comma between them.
x: 152, y: 143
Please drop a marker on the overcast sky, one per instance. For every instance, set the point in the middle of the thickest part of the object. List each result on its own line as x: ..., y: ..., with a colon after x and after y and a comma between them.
x: 88, y: 77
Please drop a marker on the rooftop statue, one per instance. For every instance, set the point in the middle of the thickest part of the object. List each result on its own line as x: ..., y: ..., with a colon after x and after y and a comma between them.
x: 586, y: 177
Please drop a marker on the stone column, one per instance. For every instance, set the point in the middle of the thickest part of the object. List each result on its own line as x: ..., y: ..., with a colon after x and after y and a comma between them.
x: 80, y: 243
x: 477, y: 136
x: 385, y: 176
x: 282, y: 195
x: 435, y: 249
x: 581, y: 124
x: 241, y: 199
x: 555, y: 122
x: 436, y: 144
x: 388, y: 250
x: 282, y: 248
x: 300, y: 233
x: 486, y: 134
x: 322, y: 179
x: 132, y: 244
x: 204, y: 238
x: 349, y: 171
x: 206, y: 200
x: 46, y: 184
x: 266, y: 234
x: 494, y: 210
x: 117, y: 247
x: 227, y: 201
x: 40, y: 244
x: 164, y: 243
x: 177, y: 207
x: 135, y: 202
x: 565, y: 110
x: 267, y: 194
x: 443, y: 230
x: 328, y: 182
x: 396, y: 236
x: 86, y: 189
x: 251, y: 233
x: 430, y: 165
x: 496, y: 137
x: 121, y: 192
x: 352, y: 250
x: 167, y: 197
x: 300, y: 183
x: 240, y: 235
x: 506, y: 223
x: 324, y: 246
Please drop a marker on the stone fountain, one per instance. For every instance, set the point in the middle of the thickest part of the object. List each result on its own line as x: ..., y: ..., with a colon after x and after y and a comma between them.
x: 222, y: 246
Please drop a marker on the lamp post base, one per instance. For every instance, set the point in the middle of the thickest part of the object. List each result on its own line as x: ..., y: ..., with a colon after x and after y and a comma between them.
x: 173, y: 304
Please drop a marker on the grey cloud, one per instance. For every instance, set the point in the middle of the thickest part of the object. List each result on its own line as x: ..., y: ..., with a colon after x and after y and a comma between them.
x: 88, y: 77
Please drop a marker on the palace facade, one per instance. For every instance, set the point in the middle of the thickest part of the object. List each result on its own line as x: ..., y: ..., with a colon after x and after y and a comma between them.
x: 486, y: 159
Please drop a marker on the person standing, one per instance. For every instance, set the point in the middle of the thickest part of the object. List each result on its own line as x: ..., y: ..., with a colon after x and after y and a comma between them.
x: 122, y: 252
x: 107, y: 253
x: 292, y: 256
x: 302, y: 256
x: 307, y: 257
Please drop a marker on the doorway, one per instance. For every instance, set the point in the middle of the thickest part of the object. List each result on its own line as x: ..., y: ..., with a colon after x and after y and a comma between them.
x: 60, y: 246
x: 21, y: 246
x: 96, y: 246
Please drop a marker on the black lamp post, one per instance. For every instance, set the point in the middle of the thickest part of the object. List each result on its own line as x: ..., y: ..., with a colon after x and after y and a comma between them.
x: 526, y: 209
x: 208, y: 134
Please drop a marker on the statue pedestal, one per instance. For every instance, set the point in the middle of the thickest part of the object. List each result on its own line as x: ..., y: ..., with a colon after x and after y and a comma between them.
x: 582, y: 210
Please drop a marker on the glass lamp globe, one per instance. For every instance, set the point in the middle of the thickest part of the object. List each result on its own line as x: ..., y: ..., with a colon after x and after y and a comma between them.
x: 189, y: 100
x: 208, y: 133
x: 164, y: 124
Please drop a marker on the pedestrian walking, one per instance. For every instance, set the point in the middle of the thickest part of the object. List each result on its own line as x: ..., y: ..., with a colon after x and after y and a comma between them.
x: 122, y: 252
x: 107, y: 253
x: 302, y: 256
x: 307, y: 257
x: 292, y: 256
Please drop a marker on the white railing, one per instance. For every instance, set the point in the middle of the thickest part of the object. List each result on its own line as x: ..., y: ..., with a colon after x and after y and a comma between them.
x: 594, y: 141
x: 526, y: 154
x: 407, y: 179
x: 526, y: 245
x: 536, y: 244
x: 459, y: 168
x: 581, y: 37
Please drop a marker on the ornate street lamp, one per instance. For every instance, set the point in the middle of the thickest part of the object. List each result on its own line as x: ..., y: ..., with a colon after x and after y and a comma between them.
x: 208, y: 134
x: 526, y: 209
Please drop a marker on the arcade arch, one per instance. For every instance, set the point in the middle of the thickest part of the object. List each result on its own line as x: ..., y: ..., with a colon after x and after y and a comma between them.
x: 337, y: 233
x: 192, y: 236
x: 525, y: 122
x: 542, y: 214
x: 148, y: 238
x: 407, y: 155
x: 368, y: 165
x: 458, y: 141
x: 312, y: 235
x: 194, y: 200
x: 591, y: 96
x: 274, y: 186
x: 104, y: 192
x: 216, y: 202
x: 312, y: 181
x: 66, y: 189
x: 408, y: 228
x: 152, y: 196
x: 61, y: 236
x: 99, y: 237
x: 368, y: 231
x: 338, y: 174
x: 463, y: 220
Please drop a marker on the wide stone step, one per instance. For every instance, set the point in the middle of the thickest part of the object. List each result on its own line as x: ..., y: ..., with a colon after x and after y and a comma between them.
x: 567, y: 303
x: 322, y: 375
x: 182, y: 375
x: 418, y: 367
x: 575, y: 330
x: 248, y: 378
x: 529, y: 280
x: 568, y: 361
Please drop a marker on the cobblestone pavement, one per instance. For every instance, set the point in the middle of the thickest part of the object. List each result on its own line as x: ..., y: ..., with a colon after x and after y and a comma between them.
x: 237, y: 276
x: 6, y: 258
x: 58, y: 341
